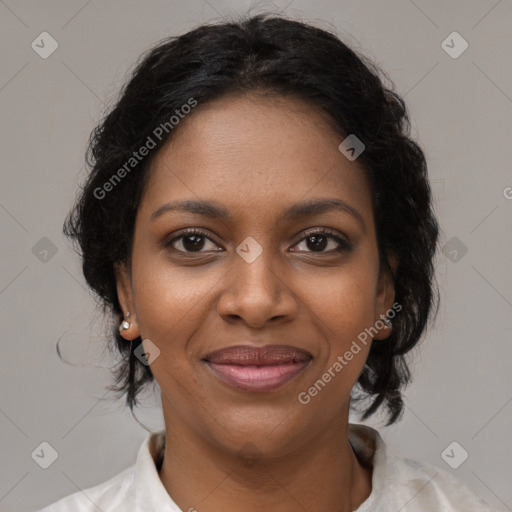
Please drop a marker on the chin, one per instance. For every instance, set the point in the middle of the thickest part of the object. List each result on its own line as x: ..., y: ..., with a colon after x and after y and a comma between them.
x: 259, y: 432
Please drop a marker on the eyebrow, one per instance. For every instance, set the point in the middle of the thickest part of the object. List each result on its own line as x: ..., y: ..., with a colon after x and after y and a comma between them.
x: 297, y: 210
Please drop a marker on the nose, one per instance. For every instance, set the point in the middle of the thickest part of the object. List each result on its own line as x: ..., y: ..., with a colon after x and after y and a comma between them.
x: 257, y: 293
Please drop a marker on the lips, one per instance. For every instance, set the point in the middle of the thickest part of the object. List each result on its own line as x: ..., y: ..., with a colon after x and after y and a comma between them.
x: 258, y: 368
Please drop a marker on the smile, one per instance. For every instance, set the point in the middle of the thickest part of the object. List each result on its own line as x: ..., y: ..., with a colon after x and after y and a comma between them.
x: 258, y: 368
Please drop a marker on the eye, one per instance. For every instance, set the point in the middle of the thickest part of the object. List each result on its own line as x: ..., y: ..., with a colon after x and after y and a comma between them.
x: 194, y: 240
x: 190, y: 241
x: 320, y: 239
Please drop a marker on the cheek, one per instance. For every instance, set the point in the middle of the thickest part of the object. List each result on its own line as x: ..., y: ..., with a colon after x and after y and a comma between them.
x: 169, y: 302
x: 344, y: 308
x: 170, y: 307
x: 344, y: 301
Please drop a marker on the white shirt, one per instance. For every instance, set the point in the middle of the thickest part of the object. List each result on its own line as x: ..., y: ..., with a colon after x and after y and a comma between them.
x: 398, y: 484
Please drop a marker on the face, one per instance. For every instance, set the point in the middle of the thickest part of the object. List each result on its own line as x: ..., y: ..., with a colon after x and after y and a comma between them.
x: 248, y: 263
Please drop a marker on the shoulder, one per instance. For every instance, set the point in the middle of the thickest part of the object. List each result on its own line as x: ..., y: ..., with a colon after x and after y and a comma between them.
x: 408, y: 485
x: 139, y: 484
x: 100, y: 497
x: 427, y: 487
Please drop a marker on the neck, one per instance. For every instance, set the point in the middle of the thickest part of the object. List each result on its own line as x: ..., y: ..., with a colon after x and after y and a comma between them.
x: 322, y: 475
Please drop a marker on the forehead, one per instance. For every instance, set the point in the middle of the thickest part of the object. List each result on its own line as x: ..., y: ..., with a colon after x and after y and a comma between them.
x: 254, y: 151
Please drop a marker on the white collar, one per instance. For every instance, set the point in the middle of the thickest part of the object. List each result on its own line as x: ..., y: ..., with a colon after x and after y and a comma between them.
x: 151, y: 494
x: 397, y: 483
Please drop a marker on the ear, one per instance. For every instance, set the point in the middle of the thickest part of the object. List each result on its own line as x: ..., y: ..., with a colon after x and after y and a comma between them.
x: 125, y: 297
x: 385, y: 293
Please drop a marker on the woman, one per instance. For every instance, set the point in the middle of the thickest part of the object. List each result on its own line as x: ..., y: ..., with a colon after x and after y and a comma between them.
x: 260, y: 225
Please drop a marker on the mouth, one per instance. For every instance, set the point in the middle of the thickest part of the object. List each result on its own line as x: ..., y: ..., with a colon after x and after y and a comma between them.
x: 258, y: 368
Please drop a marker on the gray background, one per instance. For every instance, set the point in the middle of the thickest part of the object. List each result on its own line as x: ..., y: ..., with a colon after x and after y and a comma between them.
x: 461, y: 110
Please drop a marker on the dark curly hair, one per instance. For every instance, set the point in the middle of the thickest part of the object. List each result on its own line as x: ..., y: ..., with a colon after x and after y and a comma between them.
x: 282, y: 57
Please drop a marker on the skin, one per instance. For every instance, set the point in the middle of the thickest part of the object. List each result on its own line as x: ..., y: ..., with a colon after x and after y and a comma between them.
x: 228, y: 449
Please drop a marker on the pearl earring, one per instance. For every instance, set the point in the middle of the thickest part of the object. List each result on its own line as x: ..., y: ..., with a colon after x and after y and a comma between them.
x: 125, y: 324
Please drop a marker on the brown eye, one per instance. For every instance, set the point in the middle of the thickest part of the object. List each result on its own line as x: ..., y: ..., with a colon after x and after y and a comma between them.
x: 191, y: 241
x: 320, y: 240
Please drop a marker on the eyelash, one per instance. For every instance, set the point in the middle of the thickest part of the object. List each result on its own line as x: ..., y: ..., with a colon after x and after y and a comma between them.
x: 343, y: 244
